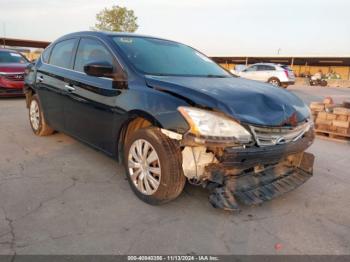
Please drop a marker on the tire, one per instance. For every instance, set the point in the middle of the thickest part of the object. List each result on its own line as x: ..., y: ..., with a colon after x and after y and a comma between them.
x: 274, y: 81
x: 171, y: 179
x: 36, y: 118
x: 285, y: 86
x: 323, y: 83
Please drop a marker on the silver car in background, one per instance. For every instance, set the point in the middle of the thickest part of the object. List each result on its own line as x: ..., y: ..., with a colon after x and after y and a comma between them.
x: 277, y: 75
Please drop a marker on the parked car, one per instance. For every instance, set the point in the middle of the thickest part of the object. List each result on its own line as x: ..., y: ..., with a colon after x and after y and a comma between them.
x: 171, y: 114
x: 12, y: 66
x: 277, y: 75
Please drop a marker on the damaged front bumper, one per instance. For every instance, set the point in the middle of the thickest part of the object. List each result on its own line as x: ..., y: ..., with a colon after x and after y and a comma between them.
x: 257, y: 174
x: 253, y: 187
x: 250, y: 175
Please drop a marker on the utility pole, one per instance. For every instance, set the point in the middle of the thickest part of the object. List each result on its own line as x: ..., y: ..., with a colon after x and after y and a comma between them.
x: 278, y: 51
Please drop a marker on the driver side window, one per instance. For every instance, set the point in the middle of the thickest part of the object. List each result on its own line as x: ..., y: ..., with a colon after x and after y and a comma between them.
x: 91, y: 50
x: 251, y: 69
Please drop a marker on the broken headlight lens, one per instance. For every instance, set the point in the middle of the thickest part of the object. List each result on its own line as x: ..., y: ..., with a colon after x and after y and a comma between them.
x: 207, y: 123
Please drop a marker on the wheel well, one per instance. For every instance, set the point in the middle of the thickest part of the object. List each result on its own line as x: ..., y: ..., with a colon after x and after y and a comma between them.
x: 130, y: 127
x: 273, y: 78
x: 29, y: 93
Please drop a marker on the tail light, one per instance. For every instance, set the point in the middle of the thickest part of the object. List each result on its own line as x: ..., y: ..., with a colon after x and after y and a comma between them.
x: 286, y: 72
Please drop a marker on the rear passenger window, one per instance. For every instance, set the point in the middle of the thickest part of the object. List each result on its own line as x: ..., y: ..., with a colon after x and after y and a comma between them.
x: 251, y: 69
x: 91, y: 50
x: 265, y: 68
x: 62, y: 53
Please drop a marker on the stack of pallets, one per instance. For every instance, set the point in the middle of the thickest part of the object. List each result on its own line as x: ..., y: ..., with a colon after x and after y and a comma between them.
x: 331, y: 119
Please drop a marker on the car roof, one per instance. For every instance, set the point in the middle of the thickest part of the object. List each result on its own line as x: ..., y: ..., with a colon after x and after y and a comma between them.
x: 7, y: 50
x: 106, y: 34
x: 270, y: 64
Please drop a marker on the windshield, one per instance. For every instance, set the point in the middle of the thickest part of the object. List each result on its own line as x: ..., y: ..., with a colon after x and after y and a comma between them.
x: 12, y: 57
x: 161, y: 57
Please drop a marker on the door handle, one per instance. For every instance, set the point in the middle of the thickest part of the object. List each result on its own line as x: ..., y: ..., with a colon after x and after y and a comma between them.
x: 69, y: 88
x: 40, y: 78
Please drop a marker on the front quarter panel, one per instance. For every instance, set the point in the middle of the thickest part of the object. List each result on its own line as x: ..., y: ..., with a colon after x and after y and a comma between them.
x: 161, y: 106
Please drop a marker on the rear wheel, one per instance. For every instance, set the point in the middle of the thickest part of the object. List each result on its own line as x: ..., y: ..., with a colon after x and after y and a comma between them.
x: 274, y: 81
x: 36, y: 118
x: 153, y: 166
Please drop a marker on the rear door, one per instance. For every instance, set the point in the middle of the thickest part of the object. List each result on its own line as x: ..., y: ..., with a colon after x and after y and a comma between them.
x: 265, y: 72
x: 54, y: 68
x: 90, y: 113
x: 250, y: 72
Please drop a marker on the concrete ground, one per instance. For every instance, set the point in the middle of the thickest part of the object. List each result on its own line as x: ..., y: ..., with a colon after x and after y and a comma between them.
x: 58, y: 196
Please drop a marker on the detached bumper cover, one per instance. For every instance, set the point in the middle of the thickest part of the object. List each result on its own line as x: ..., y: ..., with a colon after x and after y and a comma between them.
x: 261, y: 174
x: 253, y: 189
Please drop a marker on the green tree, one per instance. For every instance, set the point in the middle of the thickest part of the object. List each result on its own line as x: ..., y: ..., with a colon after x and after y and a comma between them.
x: 116, y: 19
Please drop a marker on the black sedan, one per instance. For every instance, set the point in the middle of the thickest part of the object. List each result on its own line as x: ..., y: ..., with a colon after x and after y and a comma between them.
x: 171, y: 115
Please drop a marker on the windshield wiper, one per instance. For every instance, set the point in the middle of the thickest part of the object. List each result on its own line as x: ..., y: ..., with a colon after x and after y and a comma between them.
x: 216, y: 76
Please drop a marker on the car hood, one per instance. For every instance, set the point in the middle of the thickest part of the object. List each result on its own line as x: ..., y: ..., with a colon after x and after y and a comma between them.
x: 12, y: 67
x: 245, y: 100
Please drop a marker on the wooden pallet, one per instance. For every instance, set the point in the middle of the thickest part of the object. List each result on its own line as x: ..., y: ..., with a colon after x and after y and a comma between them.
x: 330, y: 134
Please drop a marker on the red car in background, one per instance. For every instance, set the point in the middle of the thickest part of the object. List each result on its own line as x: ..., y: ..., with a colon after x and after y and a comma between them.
x: 12, y: 67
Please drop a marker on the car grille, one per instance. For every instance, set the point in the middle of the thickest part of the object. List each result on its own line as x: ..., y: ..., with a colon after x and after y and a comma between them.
x: 15, y: 77
x: 270, y: 136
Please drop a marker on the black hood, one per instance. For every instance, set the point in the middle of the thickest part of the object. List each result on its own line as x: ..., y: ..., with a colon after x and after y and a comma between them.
x: 245, y: 100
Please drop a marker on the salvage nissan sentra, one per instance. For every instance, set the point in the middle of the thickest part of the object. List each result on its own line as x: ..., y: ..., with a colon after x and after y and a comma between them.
x: 172, y: 115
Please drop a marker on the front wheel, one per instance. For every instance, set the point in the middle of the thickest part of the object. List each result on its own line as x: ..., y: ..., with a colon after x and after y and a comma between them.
x: 153, y: 165
x: 36, y: 118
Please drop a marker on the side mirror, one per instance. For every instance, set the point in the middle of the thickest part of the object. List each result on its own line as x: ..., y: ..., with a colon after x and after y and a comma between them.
x: 99, y: 69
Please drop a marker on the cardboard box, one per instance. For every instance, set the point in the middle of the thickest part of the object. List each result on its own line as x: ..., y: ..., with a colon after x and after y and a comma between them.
x: 333, y: 128
x: 326, y: 122
x: 322, y: 115
x: 344, y: 124
x: 317, y: 106
x: 341, y: 111
x: 342, y: 118
x: 331, y: 116
x: 343, y: 130
x: 323, y: 127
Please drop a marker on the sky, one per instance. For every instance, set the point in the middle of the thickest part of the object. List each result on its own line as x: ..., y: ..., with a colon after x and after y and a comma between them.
x: 216, y: 27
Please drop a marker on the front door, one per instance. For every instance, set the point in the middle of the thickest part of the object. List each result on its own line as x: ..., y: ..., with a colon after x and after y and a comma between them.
x: 90, y: 111
x: 250, y: 73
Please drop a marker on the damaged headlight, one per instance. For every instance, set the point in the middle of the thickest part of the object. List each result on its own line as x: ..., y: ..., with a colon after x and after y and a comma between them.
x: 207, y: 123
